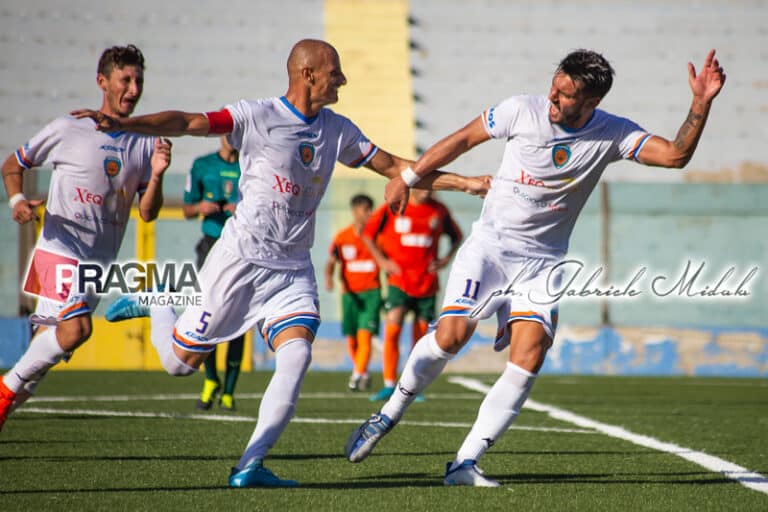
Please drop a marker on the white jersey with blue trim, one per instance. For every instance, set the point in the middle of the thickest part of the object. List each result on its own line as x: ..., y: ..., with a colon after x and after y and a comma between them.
x: 286, y: 162
x: 94, y: 181
x: 547, y: 173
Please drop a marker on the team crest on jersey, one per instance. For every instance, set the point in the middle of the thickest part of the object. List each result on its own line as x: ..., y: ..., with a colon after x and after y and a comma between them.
x: 112, y: 166
x: 306, y: 153
x: 560, y: 155
x: 228, y: 188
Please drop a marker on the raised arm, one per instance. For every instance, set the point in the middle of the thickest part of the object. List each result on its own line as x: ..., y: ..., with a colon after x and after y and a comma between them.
x: 705, y: 87
x: 170, y: 123
x: 440, y: 154
x: 151, y: 200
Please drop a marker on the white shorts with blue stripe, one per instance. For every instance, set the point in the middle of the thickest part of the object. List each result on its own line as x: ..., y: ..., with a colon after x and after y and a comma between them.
x: 485, y: 280
x: 238, y: 295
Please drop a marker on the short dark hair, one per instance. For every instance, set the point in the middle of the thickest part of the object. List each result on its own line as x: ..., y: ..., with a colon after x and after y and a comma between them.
x: 361, y: 200
x: 591, y: 69
x: 119, y: 56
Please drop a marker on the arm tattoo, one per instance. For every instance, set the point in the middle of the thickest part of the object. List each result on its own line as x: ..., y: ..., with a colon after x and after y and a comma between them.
x: 692, y: 123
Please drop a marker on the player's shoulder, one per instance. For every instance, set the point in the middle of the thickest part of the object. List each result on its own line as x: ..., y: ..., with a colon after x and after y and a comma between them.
x: 203, y: 162
x: 329, y: 117
x: 257, y: 107
x: 67, y: 122
x: 524, y: 101
x: 611, y: 121
x: 346, y: 235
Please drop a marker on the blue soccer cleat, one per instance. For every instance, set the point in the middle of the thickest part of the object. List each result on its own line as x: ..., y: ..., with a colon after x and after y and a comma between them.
x: 362, y: 441
x: 256, y: 475
x: 467, y: 473
x: 124, y: 308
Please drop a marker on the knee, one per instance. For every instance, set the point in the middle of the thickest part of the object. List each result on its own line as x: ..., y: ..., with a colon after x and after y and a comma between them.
x: 73, y: 332
x: 452, y: 335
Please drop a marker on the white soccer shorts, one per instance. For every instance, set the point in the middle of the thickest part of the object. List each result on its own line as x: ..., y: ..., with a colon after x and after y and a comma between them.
x: 485, y: 280
x: 238, y: 295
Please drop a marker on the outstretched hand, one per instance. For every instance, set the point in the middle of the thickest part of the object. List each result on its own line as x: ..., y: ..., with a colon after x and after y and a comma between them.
x: 707, y: 84
x: 478, y: 185
x: 104, y: 123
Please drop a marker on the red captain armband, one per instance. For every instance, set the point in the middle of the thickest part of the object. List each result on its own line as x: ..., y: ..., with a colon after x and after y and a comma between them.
x: 220, y: 122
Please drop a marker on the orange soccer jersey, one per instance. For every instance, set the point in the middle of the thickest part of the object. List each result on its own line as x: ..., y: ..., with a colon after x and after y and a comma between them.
x: 359, y: 271
x: 411, y: 240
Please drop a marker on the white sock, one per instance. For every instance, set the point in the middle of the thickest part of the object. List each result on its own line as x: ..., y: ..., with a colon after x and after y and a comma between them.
x: 292, y: 359
x: 163, y: 318
x: 424, y: 364
x: 497, y: 412
x: 43, y: 353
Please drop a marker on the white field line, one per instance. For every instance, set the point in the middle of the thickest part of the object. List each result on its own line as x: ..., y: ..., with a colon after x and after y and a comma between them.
x: 742, y: 475
x: 240, y: 396
x: 252, y: 419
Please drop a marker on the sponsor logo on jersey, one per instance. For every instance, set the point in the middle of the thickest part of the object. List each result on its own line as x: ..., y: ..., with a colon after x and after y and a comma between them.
x: 491, y: 121
x: 107, y: 147
x: 527, y: 179
x: 112, y: 166
x: 349, y: 251
x: 403, y: 224
x: 85, y: 196
x: 286, y: 186
x: 560, y: 155
x: 228, y: 188
x: 306, y: 153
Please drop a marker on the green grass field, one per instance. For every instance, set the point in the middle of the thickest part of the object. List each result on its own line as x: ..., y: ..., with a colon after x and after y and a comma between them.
x: 132, y: 441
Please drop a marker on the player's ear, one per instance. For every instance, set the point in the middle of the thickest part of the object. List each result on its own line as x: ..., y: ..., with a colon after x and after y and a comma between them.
x: 306, y: 74
x: 101, y: 81
x: 593, y: 102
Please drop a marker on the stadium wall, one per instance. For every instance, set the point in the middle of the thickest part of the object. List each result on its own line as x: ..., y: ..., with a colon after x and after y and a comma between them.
x: 416, y: 71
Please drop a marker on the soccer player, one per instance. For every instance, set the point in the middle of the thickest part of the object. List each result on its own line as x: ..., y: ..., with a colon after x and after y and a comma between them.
x: 406, y: 247
x: 361, y: 289
x: 557, y: 146
x: 211, y: 191
x: 95, y: 179
x: 260, y: 272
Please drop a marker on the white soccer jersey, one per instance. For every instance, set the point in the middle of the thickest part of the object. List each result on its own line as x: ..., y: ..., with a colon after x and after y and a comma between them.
x: 95, y: 178
x: 286, y: 161
x: 548, y: 172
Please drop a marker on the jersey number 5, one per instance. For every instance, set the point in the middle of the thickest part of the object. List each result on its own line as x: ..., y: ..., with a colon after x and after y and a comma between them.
x: 203, y: 322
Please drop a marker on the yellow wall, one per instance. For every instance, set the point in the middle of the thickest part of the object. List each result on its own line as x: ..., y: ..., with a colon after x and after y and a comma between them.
x: 372, y: 40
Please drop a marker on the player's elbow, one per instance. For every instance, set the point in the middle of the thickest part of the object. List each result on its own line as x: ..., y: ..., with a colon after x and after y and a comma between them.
x: 678, y: 162
x: 148, y: 215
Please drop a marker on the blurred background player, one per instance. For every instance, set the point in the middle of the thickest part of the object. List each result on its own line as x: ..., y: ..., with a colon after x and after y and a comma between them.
x: 406, y: 247
x: 361, y: 289
x: 94, y: 181
x: 211, y: 191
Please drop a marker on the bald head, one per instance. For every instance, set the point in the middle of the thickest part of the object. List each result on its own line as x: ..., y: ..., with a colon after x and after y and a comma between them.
x: 314, y: 76
x: 308, y: 53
